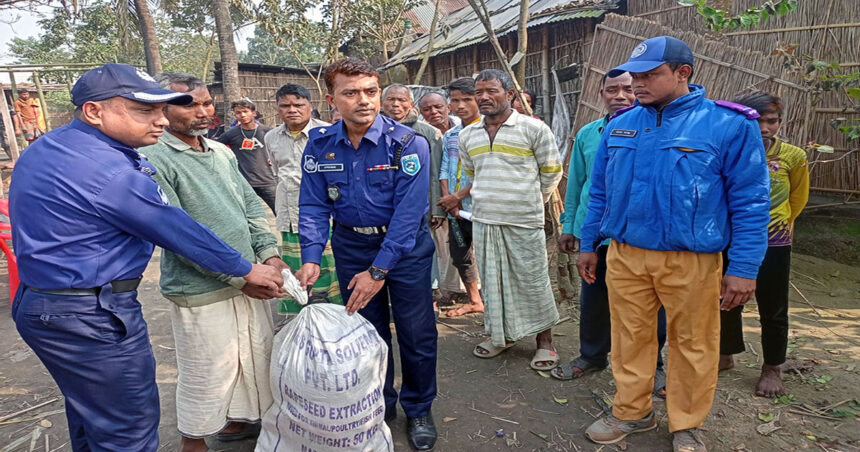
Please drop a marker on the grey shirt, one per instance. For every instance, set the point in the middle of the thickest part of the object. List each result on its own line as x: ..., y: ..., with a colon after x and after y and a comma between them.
x: 253, y: 160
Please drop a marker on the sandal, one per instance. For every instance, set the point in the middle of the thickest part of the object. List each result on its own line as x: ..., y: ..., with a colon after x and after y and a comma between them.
x: 463, y: 310
x: 565, y: 372
x: 544, y: 355
x: 491, y: 350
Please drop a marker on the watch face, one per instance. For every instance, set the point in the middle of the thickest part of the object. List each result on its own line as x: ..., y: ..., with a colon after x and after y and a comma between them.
x: 377, y: 274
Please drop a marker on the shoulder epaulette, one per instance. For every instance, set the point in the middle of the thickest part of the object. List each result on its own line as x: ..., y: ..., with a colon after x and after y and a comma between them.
x: 621, y: 111
x: 750, y: 113
x: 320, y: 132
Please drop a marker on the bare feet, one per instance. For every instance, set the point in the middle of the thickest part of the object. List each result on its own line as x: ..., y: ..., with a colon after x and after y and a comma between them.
x: 467, y: 308
x: 192, y: 445
x: 769, y: 383
x: 726, y: 362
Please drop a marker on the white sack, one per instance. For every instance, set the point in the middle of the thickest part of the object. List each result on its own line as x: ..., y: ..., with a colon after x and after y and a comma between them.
x: 327, y: 376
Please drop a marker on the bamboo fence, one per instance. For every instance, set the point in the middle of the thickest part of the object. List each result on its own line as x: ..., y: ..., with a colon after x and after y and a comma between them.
x: 827, y: 30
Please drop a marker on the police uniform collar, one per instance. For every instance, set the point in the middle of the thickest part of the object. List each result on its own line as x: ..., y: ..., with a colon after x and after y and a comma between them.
x: 96, y: 133
x: 680, y: 105
x: 380, y: 124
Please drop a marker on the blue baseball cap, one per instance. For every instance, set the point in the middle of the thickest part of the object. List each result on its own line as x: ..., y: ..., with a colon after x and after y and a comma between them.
x: 112, y: 80
x: 653, y: 52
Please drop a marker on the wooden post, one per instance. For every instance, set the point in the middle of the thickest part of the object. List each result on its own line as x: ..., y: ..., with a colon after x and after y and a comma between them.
x: 544, y: 74
x: 453, y: 66
x: 475, y: 68
x: 22, y: 142
x: 42, y: 99
x: 11, y: 136
x: 432, y: 72
x: 484, y: 17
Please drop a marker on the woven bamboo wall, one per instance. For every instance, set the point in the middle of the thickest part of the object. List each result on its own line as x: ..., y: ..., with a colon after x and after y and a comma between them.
x: 828, y: 30
x: 261, y: 87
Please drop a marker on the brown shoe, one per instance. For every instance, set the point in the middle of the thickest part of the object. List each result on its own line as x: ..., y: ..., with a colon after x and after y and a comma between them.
x: 689, y: 440
x: 610, y: 429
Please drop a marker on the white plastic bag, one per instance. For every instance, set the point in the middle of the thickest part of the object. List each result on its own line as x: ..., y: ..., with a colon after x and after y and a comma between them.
x: 327, y: 375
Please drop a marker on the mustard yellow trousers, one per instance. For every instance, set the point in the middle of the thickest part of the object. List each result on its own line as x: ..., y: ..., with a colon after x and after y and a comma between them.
x: 687, y: 284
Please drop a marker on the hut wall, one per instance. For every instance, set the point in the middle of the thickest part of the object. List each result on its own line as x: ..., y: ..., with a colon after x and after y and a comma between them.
x: 823, y: 29
x: 567, y: 41
x: 261, y: 87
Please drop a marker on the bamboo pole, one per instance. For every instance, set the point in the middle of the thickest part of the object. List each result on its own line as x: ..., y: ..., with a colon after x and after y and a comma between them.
x: 544, y: 73
x: 42, y: 100
x: 21, y: 142
x: 11, y: 136
x: 824, y: 32
x: 484, y: 17
x: 780, y: 30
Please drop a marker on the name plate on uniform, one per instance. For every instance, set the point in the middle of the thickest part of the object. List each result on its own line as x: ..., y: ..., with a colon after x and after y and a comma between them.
x: 627, y: 133
x: 329, y: 167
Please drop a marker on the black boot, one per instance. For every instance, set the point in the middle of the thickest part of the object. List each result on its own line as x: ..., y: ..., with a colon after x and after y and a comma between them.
x: 422, y: 432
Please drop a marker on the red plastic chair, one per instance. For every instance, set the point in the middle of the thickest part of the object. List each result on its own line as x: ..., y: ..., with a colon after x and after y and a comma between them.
x: 12, y: 262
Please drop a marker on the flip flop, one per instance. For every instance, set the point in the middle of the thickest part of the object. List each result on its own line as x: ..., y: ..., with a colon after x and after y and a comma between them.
x: 492, y: 350
x: 565, y: 372
x: 543, y: 355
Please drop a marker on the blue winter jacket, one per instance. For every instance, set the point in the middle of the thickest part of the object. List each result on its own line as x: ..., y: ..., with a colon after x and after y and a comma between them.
x: 692, y: 177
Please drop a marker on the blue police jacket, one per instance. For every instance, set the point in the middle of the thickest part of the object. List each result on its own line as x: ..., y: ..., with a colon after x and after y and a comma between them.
x: 85, y: 211
x: 364, y: 187
x: 692, y: 177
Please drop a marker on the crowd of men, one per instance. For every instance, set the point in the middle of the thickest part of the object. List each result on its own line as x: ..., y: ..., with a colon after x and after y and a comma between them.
x: 676, y: 204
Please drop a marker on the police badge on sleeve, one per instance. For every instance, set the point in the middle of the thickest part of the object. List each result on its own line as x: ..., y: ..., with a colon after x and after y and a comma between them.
x: 310, y: 164
x: 410, y: 164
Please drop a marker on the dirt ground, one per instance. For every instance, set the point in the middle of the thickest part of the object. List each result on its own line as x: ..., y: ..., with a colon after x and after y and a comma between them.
x: 500, y: 404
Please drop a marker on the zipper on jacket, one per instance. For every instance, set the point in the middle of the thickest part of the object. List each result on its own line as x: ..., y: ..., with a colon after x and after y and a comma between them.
x: 659, y: 117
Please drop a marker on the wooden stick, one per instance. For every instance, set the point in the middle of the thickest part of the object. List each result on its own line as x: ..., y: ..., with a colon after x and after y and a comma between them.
x: 830, y: 407
x: 804, y: 298
x: 804, y: 413
x: 458, y: 329
x: 490, y: 415
x: 27, y: 410
x: 34, y: 418
x: 779, y: 30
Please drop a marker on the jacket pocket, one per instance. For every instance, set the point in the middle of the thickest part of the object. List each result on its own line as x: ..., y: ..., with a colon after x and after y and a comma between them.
x: 694, y: 169
x: 618, y: 178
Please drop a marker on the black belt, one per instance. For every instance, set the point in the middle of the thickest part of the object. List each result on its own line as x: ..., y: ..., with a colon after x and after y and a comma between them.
x: 117, y: 286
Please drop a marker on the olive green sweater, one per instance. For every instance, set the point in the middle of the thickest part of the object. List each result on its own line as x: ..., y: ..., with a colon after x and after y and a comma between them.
x: 209, y: 186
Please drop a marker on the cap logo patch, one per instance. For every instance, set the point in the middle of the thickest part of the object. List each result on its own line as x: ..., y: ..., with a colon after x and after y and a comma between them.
x: 639, y: 50
x: 145, y: 76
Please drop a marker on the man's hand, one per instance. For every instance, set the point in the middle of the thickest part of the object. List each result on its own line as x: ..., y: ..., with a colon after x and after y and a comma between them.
x: 437, y: 222
x: 277, y: 262
x: 364, y: 287
x: 568, y: 244
x: 265, y: 276
x: 449, y: 202
x: 262, y: 293
x: 308, y: 274
x: 735, y: 291
x: 587, y: 266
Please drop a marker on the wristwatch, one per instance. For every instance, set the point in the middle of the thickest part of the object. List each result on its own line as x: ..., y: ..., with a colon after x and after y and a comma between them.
x: 377, y: 274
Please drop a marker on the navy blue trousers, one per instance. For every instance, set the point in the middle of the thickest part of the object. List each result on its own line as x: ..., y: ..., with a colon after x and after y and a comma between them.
x: 595, y: 338
x: 408, y: 291
x: 97, y: 350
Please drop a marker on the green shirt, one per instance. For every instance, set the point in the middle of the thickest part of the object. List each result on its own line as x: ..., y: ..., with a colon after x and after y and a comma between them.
x: 209, y: 186
x: 579, y: 175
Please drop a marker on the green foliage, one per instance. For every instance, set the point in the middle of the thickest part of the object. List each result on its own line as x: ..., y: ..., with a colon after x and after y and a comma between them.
x: 721, y: 20
x: 787, y: 399
x: 262, y: 49
x: 96, y: 36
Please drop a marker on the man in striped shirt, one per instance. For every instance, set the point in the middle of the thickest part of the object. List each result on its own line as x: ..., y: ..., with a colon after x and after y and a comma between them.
x: 514, y: 165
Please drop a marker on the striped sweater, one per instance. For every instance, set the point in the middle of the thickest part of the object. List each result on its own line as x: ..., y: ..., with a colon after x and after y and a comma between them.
x: 513, y: 175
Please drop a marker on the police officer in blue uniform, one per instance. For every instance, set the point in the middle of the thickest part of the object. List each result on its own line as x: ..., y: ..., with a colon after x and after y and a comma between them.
x: 85, y: 215
x: 371, y: 175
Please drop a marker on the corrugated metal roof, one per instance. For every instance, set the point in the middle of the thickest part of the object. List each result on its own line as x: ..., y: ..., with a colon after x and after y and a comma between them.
x: 462, y: 28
